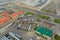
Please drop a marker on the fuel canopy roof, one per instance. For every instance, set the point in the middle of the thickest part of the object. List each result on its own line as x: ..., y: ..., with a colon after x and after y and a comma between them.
x: 44, y: 31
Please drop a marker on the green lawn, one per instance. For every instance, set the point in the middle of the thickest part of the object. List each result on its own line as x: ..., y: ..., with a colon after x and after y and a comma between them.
x: 27, y: 13
x: 50, y: 11
x: 57, y: 37
x: 57, y: 21
x: 38, y: 18
x: 44, y: 17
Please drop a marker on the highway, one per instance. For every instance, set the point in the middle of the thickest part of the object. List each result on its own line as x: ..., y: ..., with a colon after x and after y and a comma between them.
x: 6, y: 2
x: 4, y: 30
x: 39, y: 4
x: 26, y: 35
x: 43, y: 3
x: 34, y: 9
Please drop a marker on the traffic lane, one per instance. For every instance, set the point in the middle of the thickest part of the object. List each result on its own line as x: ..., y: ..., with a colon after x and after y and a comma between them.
x: 5, y: 30
x: 28, y: 18
x: 45, y: 13
x: 2, y: 3
x: 54, y: 24
x: 41, y: 3
x: 24, y: 34
x: 41, y: 12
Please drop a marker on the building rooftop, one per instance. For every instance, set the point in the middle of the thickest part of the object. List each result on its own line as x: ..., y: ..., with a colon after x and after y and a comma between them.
x: 4, y: 18
x: 44, y: 31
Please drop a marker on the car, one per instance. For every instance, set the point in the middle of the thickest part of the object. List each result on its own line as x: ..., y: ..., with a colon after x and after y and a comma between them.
x: 29, y: 27
x: 18, y: 27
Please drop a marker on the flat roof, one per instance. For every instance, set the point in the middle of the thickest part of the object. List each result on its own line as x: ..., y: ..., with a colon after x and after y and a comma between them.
x: 44, y: 30
x: 5, y: 19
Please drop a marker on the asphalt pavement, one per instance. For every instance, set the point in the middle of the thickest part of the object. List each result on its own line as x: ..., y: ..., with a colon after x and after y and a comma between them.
x: 26, y: 35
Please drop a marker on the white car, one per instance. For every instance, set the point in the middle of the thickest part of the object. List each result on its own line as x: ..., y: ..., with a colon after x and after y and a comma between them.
x: 29, y: 27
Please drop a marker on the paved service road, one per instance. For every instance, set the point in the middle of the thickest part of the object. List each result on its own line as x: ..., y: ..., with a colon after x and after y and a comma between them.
x: 41, y: 3
x: 44, y: 13
x: 5, y: 2
x: 36, y: 10
x: 24, y: 34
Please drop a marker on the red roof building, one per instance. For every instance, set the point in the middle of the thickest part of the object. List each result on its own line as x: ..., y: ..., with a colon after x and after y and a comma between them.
x: 3, y: 20
x: 20, y: 12
x: 5, y: 13
x: 14, y: 15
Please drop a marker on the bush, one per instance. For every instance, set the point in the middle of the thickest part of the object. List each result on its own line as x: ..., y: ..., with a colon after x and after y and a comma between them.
x: 57, y: 21
x: 56, y: 37
x: 44, y: 17
x: 27, y: 13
